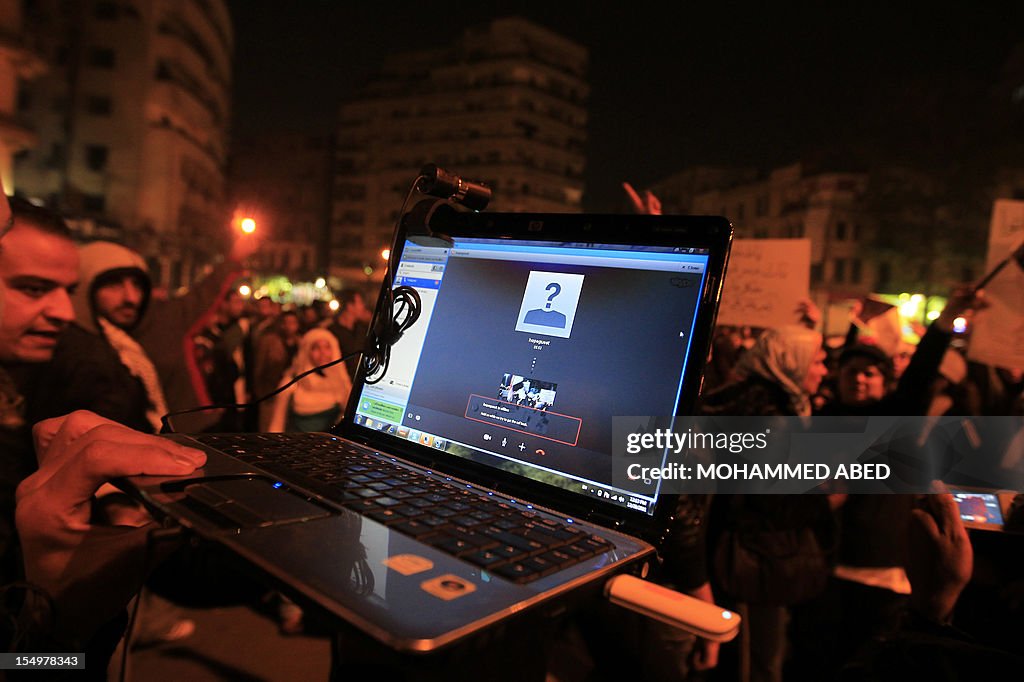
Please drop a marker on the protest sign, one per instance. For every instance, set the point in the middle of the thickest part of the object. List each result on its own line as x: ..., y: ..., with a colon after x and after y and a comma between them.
x: 766, y: 280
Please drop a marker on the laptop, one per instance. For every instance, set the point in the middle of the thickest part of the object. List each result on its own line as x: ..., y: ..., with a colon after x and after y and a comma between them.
x: 473, y: 482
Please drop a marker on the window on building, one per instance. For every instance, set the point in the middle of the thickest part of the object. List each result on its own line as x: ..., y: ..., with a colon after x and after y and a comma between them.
x: 351, y: 217
x: 96, y: 156
x: 106, y: 11
x: 355, y: 191
x: 884, y: 274
x: 62, y: 55
x: 98, y: 105
x: 347, y: 240
x: 94, y: 203
x: 855, y: 270
x: 840, y: 231
x: 761, y: 206
x: 839, y: 270
x: 102, y: 58
x: 855, y: 232
x: 24, y: 99
x: 816, y: 273
x: 56, y: 157
x: 740, y: 211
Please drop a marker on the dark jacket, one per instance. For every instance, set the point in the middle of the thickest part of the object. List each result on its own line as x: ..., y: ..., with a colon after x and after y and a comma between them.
x: 87, y: 374
x: 687, y: 550
x: 874, y: 526
x: 17, y: 461
x: 754, y: 396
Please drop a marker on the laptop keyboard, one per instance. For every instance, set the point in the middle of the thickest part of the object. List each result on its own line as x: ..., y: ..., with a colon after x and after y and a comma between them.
x: 479, y: 527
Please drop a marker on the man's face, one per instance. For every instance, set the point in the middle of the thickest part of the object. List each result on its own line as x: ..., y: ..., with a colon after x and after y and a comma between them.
x: 38, y: 273
x: 119, y: 301
x: 265, y: 307
x: 234, y: 306
x: 861, y: 381
x: 290, y: 325
x: 358, y: 310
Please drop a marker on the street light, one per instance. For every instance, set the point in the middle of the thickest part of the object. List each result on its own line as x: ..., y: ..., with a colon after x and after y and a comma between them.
x: 245, y: 290
x: 248, y: 225
x: 385, y: 254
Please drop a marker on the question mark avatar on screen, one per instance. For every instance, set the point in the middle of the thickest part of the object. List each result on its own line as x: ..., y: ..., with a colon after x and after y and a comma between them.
x: 549, y: 305
x: 545, y: 317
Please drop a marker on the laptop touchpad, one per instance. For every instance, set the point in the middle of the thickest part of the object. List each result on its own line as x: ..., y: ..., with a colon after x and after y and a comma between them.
x: 251, y: 502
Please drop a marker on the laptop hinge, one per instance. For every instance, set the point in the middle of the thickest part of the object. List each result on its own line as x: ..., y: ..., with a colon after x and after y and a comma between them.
x: 607, y: 521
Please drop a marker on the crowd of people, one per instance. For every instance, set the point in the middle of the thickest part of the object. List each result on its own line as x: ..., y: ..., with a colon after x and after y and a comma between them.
x: 83, y: 333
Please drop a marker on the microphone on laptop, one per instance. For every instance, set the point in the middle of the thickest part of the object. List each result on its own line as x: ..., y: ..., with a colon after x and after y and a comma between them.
x: 437, y: 182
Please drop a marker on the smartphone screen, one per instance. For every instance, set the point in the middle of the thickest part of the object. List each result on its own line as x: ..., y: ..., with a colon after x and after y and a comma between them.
x: 979, y: 508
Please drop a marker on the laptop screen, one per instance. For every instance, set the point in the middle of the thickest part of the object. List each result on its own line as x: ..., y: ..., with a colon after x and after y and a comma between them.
x: 525, y: 350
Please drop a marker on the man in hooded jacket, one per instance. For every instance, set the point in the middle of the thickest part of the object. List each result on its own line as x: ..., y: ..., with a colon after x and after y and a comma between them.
x: 98, y: 365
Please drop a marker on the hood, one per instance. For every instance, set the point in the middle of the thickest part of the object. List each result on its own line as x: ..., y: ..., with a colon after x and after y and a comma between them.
x: 101, y: 261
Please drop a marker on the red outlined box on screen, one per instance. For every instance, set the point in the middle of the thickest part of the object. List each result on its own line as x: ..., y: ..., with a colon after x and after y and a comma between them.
x: 511, y: 427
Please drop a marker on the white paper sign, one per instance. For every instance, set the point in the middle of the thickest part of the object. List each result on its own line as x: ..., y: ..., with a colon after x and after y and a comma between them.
x: 998, y: 334
x: 766, y: 280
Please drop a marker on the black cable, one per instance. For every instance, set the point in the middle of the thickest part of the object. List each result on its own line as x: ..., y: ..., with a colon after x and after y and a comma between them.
x: 152, y: 537
x: 165, y: 420
x: 399, y: 309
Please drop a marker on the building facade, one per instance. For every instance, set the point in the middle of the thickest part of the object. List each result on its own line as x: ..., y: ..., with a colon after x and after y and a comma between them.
x: 789, y: 202
x: 19, y: 62
x: 505, y: 105
x: 132, y: 123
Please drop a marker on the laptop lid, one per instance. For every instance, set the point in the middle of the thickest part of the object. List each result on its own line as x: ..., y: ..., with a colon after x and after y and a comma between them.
x: 536, y: 330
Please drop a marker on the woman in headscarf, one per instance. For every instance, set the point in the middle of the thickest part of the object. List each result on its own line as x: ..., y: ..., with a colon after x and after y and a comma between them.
x: 316, y: 402
x: 776, y: 378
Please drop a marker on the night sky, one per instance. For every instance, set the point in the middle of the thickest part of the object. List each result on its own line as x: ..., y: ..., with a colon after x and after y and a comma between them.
x: 672, y: 87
